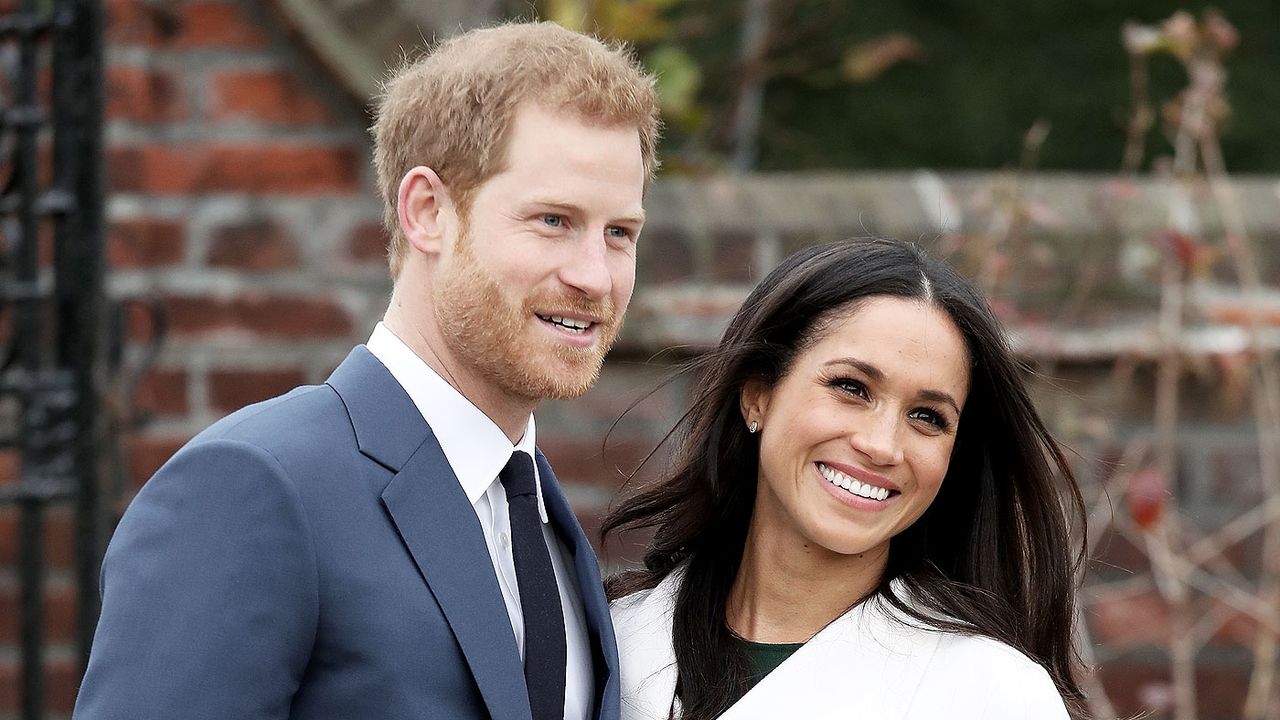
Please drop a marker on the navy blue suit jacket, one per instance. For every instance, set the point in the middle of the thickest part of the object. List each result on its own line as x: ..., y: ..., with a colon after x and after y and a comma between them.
x: 314, y: 557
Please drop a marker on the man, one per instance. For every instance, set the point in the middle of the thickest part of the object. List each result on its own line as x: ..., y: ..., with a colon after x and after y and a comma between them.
x: 390, y: 544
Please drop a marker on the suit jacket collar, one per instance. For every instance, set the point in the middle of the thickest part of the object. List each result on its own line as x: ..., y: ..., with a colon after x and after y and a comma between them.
x: 388, y: 426
x: 432, y: 514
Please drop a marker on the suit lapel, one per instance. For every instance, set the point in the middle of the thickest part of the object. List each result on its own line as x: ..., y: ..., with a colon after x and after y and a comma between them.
x: 441, y: 531
x: 591, y: 589
x: 438, y: 525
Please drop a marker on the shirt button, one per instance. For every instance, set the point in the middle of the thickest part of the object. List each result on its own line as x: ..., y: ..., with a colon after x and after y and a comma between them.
x: 505, y: 540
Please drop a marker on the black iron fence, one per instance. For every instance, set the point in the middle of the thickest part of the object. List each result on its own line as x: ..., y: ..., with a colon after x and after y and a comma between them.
x: 52, y: 303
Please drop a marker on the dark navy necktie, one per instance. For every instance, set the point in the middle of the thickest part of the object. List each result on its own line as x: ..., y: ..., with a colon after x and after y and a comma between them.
x: 544, y: 641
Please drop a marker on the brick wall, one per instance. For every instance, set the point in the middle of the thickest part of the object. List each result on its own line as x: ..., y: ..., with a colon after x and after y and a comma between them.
x: 241, y: 201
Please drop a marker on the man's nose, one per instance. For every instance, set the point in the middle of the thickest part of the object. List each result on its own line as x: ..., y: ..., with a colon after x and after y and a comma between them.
x: 587, y: 268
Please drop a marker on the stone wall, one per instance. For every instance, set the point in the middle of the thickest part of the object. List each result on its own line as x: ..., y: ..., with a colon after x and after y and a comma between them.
x: 241, y: 202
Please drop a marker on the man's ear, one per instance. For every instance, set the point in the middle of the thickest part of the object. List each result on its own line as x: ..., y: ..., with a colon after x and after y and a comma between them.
x: 753, y: 400
x: 425, y: 210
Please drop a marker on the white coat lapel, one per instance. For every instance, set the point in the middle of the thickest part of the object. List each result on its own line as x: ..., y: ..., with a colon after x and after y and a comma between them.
x: 865, y: 664
x: 647, y: 660
x: 868, y: 663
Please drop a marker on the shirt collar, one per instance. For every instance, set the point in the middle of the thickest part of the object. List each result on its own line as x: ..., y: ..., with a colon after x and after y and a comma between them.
x: 474, y: 445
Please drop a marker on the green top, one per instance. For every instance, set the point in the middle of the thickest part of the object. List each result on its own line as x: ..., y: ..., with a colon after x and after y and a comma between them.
x: 765, y: 657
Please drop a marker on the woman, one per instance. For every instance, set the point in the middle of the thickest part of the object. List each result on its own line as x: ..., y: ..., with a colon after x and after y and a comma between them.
x: 863, y: 496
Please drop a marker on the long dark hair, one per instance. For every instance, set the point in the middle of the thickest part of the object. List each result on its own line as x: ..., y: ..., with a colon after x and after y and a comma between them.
x: 996, y: 562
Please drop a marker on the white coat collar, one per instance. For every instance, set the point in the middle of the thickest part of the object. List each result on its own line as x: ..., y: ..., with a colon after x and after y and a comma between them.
x: 817, y: 681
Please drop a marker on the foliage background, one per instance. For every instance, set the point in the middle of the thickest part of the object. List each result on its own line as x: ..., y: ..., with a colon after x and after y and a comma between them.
x: 980, y: 74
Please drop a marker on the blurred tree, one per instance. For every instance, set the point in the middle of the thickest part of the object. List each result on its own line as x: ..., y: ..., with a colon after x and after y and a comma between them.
x: 956, y: 83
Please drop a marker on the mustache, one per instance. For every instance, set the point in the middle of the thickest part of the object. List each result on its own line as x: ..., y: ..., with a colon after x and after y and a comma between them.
x: 554, y: 303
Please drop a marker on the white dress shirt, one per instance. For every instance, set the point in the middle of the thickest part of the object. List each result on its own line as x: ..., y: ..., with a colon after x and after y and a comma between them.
x: 477, y: 450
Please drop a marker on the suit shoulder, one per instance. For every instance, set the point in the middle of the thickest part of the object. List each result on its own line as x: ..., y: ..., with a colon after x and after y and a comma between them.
x: 304, y: 419
x: 303, y: 403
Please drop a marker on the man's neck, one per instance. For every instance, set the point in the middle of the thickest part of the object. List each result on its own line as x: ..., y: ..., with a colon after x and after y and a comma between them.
x: 510, y: 414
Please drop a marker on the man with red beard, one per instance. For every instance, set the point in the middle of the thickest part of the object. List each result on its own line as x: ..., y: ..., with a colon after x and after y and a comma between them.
x: 391, y: 544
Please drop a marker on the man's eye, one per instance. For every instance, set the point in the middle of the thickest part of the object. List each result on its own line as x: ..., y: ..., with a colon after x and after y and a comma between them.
x: 552, y: 220
x: 619, y: 232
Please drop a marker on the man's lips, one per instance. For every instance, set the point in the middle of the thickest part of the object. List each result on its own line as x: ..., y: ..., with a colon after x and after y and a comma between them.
x: 569, y: 323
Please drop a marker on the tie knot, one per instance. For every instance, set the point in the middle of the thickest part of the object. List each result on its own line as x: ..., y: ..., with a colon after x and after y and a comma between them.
x: 517, y: 476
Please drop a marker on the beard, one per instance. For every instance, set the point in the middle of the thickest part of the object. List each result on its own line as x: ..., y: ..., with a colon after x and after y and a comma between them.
x: 493, y: 333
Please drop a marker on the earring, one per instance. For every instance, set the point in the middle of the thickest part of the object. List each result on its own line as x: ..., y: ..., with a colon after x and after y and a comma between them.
x: 753, y: 427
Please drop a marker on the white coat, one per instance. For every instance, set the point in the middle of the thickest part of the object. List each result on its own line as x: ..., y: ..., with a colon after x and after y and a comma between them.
x: 869, y: 664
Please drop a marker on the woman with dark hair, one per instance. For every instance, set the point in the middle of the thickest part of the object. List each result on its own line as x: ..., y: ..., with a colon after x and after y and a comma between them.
x: 864, y: 517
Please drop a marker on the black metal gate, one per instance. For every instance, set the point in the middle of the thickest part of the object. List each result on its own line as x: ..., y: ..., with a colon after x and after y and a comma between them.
x: 51, y: 298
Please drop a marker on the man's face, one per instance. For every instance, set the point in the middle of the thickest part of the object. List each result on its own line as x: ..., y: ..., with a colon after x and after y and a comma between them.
x: 531, y: 295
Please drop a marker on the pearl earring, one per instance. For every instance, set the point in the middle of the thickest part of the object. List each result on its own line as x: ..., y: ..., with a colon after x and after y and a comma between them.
x: 753, y: 427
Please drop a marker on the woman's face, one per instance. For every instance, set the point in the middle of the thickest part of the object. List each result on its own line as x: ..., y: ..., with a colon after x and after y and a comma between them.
x: 856, y: 438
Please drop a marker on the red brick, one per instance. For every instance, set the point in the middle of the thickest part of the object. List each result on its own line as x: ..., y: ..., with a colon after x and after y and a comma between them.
x: 153, y: 169
x: 45, y: 244
x: 58, y: 537
x: 256, y: 313
x: 267, y: 96
x: 368, y: 243
x: 10, y: 616
x: 579, y: 460
x: 141, y: 23
x: 147, y: 452
x: 1117, y: 556
x: 291, y: 317
x: 1132, y: 686
x: 10, y: 687
x: 259, y: 246
x: 10, y: 465
x: 143, y: 95
x: 61, y: 681
x: 286, y: 169
x: 233, y: 389
x: 620, y: 549
x: 196, y: 315
x: 8, y: 535
x: 145, y: 243
x: 266, y: 169
x: 140, y: 319
x: 61, y: 678
x: 163, y: 393
x: 1130, y: 620
x: 59, y: 613
x: 220, y: 25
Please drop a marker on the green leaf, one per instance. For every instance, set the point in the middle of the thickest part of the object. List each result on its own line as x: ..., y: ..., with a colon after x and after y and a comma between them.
x: 679, y: 80
x: 569, y: 13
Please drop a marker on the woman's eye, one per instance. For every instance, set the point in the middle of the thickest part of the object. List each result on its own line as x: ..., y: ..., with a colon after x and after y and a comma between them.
x: 930, y: 417
x: 852, y: 387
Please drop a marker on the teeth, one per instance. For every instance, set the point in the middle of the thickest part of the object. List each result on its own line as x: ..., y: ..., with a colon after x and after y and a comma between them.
x: 839, y: 479
x: 567, y: 323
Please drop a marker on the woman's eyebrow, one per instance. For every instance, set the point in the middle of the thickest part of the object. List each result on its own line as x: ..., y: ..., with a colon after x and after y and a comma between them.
x: 874, y: 373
